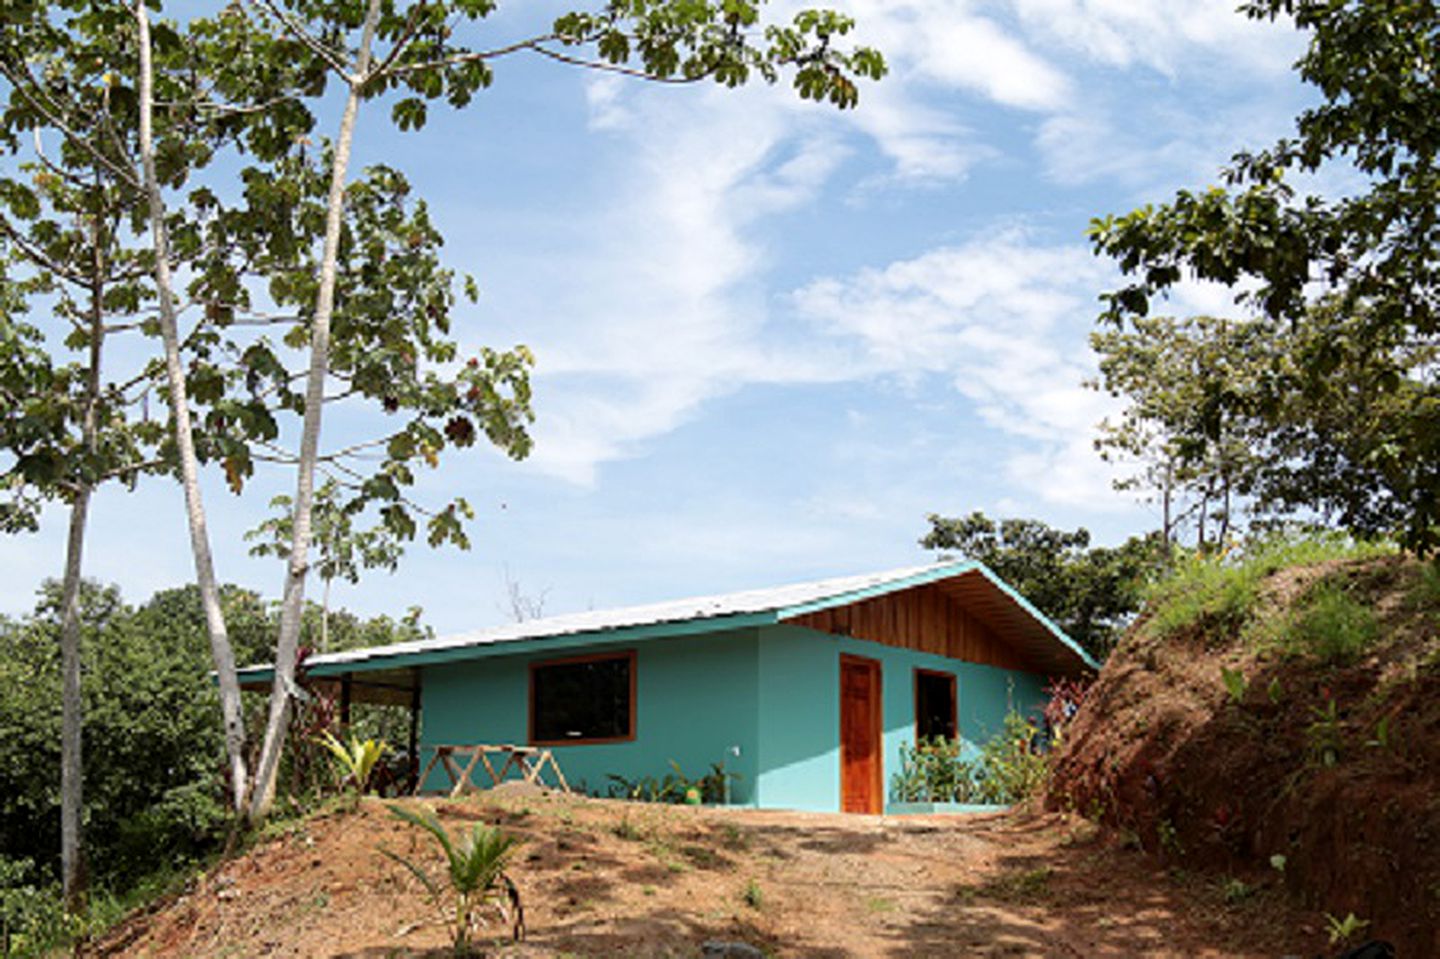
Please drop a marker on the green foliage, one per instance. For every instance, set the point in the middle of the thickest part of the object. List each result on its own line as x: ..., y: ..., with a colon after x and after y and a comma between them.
x: 357, y: 759
x: 1343, y: 930
x: 934, y: 770
x: 153, y: 762
x: 1012, y: 769
x: 1426, y: 592
x: 1330, y: 625
x: 1382, y: 734
x: 1350, y: 412
x: 1235, y: 684
x: 1217, y: 593
x: 675, y: 787
x: 1235, y: 891
x: 1008, y: 769
x: 1169, y: 839
x: 474, y: 877
x: 149, y: 723
x: 31, y: 920
x: 343, y: 550
x: 1195, y: 457
x: 753, y: 896
x: 1323, y: 736
x: 1213, y: 593
x: 1090, y: 592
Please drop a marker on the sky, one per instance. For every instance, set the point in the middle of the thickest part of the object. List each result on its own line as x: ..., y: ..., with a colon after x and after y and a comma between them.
x: 770, y: 336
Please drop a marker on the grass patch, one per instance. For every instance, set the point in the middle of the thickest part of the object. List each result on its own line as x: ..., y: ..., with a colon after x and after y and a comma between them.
x: 627, y: 830
x: 753, y: 895
x: 1218, y: 593
x: 1235, y: 891
x: 878, y: 904
x: 1425, y: 594
x: 1331, y: 626
x: 1023, y: 886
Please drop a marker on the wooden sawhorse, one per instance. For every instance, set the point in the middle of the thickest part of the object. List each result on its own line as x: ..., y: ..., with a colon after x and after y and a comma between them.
x: 528, y: 761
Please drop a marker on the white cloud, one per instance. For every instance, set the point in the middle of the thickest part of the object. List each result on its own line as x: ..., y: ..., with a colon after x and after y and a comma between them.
x: 1163, y: 36
x: 665, y: 300
x: 1000, y: 319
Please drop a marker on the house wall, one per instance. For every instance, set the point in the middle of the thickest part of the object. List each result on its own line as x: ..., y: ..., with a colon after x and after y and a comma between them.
x: 799, y: 703
x: 696, y: 697
x: 772, y: 691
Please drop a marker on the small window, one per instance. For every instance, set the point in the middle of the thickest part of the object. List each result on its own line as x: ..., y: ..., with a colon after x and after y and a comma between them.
x: 934, y: 705
x: 583, y: 700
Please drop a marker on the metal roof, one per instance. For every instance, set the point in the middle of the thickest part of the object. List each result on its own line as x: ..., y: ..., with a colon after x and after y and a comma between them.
x: 704, y: 614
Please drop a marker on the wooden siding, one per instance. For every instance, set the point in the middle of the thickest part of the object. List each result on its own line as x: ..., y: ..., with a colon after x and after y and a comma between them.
x: 923, y: 619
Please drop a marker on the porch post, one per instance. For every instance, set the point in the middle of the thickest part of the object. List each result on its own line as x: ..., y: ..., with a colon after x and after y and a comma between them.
x: 345, y: 702
x: 415, y: 733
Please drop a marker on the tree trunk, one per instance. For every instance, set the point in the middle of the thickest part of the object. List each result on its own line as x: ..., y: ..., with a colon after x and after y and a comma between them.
x: 1165, y: 534
x: 72, y: 770
x: 292, y: 604
x: 72, y: 862
x: 325, y: 617
x: 221, y: 653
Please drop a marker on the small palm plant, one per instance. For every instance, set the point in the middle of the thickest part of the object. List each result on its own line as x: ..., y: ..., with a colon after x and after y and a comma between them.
x: 357, y: 759
x: 475, y: 875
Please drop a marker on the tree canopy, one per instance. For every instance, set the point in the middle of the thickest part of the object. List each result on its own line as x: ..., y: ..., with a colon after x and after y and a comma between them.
x: 1090, y: 592
x: 1353, y: 278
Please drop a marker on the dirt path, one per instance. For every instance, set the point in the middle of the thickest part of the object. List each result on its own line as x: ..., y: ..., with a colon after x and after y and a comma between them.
x: 604, y: 878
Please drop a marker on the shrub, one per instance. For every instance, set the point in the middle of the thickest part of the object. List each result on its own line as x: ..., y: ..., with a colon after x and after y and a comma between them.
x: 475, y: 876
x: 1217, y: 592
x: 1331, y: 626
x: 32, y: 922
x: 675, y: 786
x: 933, y: 770
x: 357, y: 759
x: 1009, y: 768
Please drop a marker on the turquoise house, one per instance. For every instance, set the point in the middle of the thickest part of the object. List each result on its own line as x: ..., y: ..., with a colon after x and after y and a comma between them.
x: 806, y: 691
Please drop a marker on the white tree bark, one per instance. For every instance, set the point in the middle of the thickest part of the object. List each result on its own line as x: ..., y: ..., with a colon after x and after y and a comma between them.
x: 72, y: 768
x: 221, y: 652
x: 72, y: 870
x: 292, y: 605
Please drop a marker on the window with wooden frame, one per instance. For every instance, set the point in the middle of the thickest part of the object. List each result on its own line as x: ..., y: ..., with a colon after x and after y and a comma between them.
x: 583, y: 699
x: 935, y: 705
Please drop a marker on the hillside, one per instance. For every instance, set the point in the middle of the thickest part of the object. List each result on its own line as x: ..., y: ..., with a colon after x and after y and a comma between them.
x: 606, y: 878
x: 1280, y: 725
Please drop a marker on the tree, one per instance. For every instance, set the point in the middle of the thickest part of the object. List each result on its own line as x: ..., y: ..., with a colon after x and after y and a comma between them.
x: 154, y: 759
x: 1091, y: 593
x: 1365, y: 265
x: 344, y: 550
x: 63, y: 238
x: 1196, y: 449
x: 374, y: 48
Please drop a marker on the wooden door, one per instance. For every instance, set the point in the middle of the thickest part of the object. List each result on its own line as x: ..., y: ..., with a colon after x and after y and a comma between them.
x: 860, y: 772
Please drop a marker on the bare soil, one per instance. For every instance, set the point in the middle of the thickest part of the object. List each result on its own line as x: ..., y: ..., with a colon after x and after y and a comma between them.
x: 610, y: 878
x: 1334, y: 768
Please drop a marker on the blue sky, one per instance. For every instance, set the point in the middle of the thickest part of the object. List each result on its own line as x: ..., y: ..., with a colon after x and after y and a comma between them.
x: 771, y: 337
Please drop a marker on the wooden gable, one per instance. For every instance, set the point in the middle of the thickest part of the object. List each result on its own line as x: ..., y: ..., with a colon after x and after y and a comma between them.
x: 924, y: 618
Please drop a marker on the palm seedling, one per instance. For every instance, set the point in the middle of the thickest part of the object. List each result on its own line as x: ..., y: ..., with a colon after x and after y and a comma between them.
x: 475, y: 876
x: 357, y: 759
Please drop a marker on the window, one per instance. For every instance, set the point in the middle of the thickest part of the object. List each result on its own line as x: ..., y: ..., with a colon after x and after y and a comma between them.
x: 934, y: 705
x: 588, y: 699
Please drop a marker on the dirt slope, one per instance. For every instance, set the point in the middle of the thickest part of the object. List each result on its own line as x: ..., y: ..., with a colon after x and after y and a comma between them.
x: 1334, y: 767
x: 605, y: 878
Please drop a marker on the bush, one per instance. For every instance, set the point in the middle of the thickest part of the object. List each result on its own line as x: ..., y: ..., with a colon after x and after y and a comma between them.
x: 1217, y: 592
x: 1331, y: 626
x: 675, y: 786
x: 933, y: 770
x: 31, y: 920
x: 1009, y: 768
